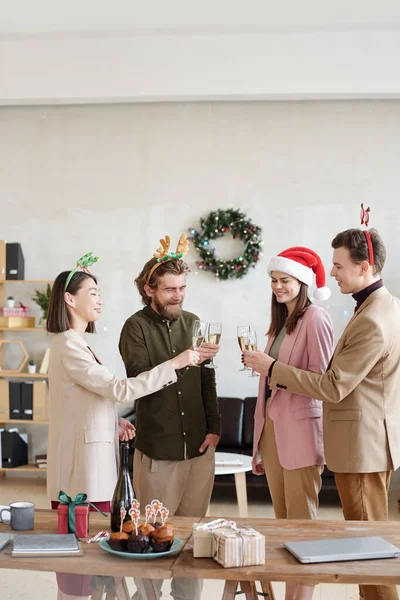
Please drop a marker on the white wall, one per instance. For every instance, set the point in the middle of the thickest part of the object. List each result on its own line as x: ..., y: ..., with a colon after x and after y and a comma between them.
x: 114, y: 179
x: 257, y: 65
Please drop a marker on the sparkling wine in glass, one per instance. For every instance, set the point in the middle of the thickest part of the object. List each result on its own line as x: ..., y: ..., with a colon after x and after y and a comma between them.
x: 252, y: 345
x: 243, y: 332
x: 213, y: 337
x: 198, y: 334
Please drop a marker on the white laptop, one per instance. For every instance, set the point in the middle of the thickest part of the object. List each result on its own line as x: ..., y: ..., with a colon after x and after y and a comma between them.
x: 359, y: 548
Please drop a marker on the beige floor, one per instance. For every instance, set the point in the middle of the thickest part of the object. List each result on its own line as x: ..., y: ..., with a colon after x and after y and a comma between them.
x: 42, y: 586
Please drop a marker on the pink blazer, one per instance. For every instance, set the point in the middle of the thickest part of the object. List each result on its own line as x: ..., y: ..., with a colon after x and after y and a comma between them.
x: 297, y: 419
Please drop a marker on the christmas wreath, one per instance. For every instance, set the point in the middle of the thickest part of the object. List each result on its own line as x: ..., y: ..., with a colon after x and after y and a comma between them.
x: 217, y: 224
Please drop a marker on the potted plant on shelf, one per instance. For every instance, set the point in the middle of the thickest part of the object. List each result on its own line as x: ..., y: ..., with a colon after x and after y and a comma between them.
x: 10, y: 302
x: 31, y: 367
x: 42, y: 299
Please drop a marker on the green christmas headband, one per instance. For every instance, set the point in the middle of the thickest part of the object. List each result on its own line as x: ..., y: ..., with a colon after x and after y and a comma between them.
x: 85, y: 261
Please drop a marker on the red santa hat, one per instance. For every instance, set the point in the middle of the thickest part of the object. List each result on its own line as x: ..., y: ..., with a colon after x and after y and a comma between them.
x: 303, y: 264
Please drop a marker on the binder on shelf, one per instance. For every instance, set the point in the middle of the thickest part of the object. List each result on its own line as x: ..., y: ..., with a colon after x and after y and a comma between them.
x: 14, y: 449
x: 15, y: 399
x: 15, y: 263
x: 40, y: 401
x: 27, y: 400
x: 4, y: 401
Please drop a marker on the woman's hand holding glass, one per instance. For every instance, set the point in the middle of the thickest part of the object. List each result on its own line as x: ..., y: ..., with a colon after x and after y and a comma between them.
x: 258, y: 361
x: 188, y: 358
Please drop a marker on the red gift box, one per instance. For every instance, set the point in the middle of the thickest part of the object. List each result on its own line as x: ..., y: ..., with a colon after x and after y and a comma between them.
x: 81, y: 520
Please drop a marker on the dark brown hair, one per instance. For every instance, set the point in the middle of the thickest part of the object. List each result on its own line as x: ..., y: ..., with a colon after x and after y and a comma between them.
x: 170, y: 267
x: 356, y: 243
x: 279, y: 312
x: 58, y: 319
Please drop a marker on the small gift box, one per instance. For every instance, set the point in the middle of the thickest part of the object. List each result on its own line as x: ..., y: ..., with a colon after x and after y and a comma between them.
x: 238, y: 548
x: 203, y: 536
x: 73, y: 515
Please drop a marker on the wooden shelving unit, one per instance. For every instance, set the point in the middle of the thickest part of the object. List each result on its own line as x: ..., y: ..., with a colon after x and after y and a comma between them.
x: 24, y: 469
x: 15, y: 329
x: 19, y: 375
x: 26, y: 421
x: 29, y: 468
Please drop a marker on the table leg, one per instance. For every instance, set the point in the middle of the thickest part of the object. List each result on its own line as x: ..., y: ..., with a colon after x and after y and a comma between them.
x: 96, y: 595
x: 241, y: 493
x: 149, y: 590
x: 268, y: 590
x: 249, y: 589
x: 230, y: 590
x: 121, y: 589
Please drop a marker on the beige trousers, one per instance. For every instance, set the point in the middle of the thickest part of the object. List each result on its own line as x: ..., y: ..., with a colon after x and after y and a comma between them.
x: 364, y: 497
x: 184, y: 487
x: 294, y: 494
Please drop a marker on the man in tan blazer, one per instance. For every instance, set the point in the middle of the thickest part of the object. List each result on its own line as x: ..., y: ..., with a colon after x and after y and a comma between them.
x: 360, y: 389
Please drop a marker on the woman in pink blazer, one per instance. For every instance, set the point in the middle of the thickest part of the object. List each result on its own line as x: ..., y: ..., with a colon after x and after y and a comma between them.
x: 288, y: 444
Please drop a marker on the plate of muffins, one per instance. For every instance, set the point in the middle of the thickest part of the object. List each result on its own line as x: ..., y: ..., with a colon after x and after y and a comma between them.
x: 149, y: 542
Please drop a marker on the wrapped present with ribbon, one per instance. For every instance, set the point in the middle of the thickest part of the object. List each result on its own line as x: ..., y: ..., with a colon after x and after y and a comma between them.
x: 242, y: 547
x: 73, y: 515
x: 203, y: 536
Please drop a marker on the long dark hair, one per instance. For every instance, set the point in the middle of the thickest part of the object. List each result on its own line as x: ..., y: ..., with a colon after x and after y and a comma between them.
x: 58, y: 319
x: 279, y: 312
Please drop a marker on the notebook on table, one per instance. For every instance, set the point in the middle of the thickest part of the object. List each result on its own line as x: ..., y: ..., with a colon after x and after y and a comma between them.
x: 339, y: 549
x: 5, y: 538
x: 51, y: 544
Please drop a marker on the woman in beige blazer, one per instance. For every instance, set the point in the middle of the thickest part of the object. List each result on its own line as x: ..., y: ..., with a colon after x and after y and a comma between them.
x: 83, y: 430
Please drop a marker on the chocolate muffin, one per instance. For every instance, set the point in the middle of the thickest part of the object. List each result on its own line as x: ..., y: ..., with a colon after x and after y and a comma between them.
x: 161, y: 538
x: 118, y: 541
x: 138, y: 544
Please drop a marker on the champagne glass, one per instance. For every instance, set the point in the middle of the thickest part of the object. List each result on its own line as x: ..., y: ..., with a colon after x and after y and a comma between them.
x: 214, y: 331
x: 252, y: 345
x: 243, y: 332
x: 198, y: 334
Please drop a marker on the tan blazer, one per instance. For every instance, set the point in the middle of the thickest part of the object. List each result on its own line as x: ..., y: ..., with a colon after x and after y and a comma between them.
x: 83, y: 431
x: 361, y: 390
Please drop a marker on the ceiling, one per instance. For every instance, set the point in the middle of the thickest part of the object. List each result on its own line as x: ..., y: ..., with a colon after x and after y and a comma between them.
x: 206, y: 17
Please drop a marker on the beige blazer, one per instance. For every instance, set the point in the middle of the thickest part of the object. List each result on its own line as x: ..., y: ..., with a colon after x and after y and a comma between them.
x: 360, y: 390
x: 83, y: 432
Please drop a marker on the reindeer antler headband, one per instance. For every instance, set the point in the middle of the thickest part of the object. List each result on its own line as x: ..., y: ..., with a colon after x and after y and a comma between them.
x: 163, y: 255
x: 365, y: 221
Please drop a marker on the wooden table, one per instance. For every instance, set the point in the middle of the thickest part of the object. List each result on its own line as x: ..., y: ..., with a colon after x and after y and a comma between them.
x: 280, y: 564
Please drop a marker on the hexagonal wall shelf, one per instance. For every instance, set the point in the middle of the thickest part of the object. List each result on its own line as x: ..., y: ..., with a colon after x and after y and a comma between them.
x: 24, y: 357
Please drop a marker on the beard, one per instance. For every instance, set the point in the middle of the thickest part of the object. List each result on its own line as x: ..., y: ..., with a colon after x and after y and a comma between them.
x: 171, y: 312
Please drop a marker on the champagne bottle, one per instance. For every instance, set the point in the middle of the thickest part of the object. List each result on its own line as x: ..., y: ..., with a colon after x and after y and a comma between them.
x: 123, y: 493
